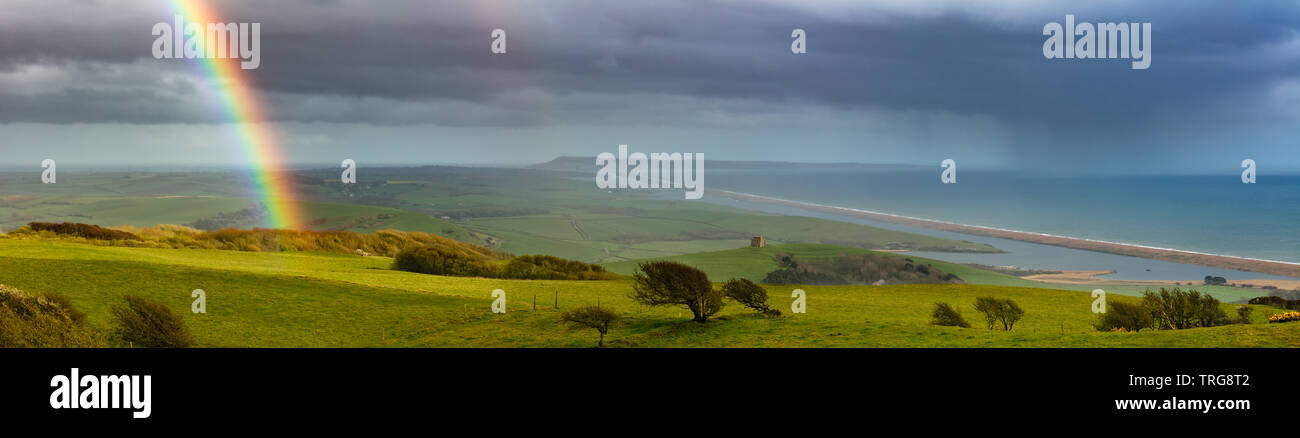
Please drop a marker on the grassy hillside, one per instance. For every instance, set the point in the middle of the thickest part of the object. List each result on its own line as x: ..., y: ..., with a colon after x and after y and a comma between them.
x: 330, y: 300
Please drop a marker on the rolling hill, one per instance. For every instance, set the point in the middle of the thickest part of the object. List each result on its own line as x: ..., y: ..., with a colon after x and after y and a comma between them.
x: 302, y: 299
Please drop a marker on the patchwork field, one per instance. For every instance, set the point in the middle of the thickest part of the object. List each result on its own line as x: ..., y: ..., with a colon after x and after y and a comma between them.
x: 513, y: 210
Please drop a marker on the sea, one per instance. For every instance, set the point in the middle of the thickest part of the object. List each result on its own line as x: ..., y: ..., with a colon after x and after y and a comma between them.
x: 1210, y: 214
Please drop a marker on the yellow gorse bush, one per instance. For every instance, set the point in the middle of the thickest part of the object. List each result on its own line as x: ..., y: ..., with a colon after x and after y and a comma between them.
x: 1284, y: 317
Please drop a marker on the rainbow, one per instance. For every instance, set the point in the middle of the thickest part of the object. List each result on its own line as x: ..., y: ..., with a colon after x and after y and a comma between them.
x: 256, y: 140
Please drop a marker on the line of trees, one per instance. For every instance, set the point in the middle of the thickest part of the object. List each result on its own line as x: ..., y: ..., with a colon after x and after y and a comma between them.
x: 1168, y: 309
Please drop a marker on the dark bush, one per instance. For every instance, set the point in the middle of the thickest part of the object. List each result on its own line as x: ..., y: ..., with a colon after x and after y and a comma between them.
x: 438, y: 261
x: 750, y: 295
x: 593, y: 317
x: 999, y: 311
x: 672, y: 283
x: 1277, y: 301
x: 1121, y: 315
x: 544, y: 267
x: 800, y: 276
x: 856, y: 269
x: 944, y: 314
x: 93, y: 232
x: 148, y: 323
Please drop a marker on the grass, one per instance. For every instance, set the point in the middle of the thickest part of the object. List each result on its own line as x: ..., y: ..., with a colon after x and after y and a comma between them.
x: 293, y: 299
x: 331, y: 300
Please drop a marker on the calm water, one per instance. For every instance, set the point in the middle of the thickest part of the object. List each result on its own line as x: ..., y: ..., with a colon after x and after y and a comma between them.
x: 1213, y: 214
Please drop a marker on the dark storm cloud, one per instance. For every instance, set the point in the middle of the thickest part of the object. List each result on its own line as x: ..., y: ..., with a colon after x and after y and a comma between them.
x: 923, y: 72
x: 431, y: 52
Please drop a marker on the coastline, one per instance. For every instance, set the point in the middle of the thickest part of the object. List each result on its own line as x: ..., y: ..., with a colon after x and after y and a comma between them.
x: 1148, y: 252
x: 1093, y: 277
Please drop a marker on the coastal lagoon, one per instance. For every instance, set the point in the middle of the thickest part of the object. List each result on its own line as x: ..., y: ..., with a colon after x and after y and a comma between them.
x: 1207, y: 214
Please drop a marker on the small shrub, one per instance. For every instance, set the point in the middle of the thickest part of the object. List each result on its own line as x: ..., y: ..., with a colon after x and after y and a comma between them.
x: 1124, y: 316
x: 593, y: 317
x: 944, y: 314
x: 148, y: 323
x: 999, y: 311
x: 750, y: 295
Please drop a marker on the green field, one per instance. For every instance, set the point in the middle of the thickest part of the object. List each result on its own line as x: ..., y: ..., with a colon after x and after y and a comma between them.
x: 331, y: 300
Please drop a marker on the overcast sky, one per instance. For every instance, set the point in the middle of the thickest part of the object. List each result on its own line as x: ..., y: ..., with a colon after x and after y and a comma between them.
x: 908, y: 81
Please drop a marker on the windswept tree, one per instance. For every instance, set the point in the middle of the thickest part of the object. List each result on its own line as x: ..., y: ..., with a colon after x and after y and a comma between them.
x: 946, y: 315
x: 593, y: 317
x: 999, y: 311
x: 750, y: 295
x: 147, y: 323
x: 672, y: 283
